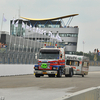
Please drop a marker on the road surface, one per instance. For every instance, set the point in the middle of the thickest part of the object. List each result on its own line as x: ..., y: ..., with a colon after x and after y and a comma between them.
x: 27, y: 87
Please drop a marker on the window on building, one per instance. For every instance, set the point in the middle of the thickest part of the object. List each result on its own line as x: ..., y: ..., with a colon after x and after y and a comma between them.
x: 70, y: 52
x: 68, y: 35
x: 41, y: 25
x: 62, y: 34
x: 72, y: 43
x: 54, y: 34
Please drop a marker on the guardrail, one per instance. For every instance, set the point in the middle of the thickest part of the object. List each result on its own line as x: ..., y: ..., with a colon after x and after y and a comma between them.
x: 16, y: 69
x: 94, y: 63
x: 87, y: 94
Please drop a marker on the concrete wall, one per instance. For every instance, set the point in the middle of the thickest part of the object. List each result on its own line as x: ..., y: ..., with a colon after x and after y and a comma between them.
x: 21, y: 69
x: 87, y: 94
x: 14, y: 69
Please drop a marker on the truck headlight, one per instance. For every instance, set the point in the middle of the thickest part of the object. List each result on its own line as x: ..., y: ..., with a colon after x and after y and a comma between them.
x: 35, y: 67
x: 54, y: 68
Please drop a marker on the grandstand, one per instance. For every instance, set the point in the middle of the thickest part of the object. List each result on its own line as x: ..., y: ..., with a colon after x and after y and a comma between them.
x: 18, y: 53
x: 20, y: 50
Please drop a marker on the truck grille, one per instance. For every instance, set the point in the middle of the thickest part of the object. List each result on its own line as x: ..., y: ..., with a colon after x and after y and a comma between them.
x: 48, y: 64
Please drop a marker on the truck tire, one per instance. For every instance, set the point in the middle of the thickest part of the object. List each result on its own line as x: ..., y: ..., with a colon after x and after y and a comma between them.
x: 52, y: 75
x: 37, y: 75
x: 82, y: 75
x: 66, y: 75
x: 59, y: 73
x: 70, y: 72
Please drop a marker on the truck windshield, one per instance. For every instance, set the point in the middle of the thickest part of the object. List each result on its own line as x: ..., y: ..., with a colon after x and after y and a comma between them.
x: 49, y: 54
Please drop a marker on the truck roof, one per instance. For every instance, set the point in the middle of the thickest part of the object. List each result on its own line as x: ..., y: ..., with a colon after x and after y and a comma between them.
x: 75, y: 57
x: 49, y: 48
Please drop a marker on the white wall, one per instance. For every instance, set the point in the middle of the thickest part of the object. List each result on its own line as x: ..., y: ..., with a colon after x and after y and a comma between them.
x: 15, y: 69
x: 21, y: 69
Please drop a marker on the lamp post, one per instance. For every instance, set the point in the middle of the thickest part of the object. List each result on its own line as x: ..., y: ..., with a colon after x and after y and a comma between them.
x: 83, y: 48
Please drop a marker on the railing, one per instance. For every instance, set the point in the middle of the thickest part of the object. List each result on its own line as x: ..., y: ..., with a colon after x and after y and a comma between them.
x: 2, y: 50
x: 15, y: 57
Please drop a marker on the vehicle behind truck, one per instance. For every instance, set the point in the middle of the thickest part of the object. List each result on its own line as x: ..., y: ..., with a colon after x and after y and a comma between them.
x: 80, y: 64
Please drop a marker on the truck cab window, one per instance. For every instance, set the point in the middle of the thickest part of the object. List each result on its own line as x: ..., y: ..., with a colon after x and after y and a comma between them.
x: 72, y: 62
x: 49, y: 54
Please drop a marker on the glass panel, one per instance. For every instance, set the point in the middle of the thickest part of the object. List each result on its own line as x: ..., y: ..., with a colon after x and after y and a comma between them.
x: 47, y: 54
x: 72, y: 62
x: 62, y: 34
x: 67, y: 35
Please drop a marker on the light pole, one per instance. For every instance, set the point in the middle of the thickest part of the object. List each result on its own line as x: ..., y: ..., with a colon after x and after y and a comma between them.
x: 83, y: 48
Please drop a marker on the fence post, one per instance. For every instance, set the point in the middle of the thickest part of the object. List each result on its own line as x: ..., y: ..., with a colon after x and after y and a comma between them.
x: 8, y: 60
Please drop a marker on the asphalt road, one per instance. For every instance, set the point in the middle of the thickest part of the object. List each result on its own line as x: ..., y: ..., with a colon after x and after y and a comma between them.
x: 27, y: 87
x: 77, y: 81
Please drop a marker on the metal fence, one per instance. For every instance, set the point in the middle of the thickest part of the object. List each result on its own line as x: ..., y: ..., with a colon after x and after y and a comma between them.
x: 94, y: 63
x: 15, y: 57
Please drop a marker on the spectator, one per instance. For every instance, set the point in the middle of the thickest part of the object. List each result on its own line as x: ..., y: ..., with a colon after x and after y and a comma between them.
x: 3, y: 45
x: 97, y: 50
x: 0, y: 45
x: 94, y: 51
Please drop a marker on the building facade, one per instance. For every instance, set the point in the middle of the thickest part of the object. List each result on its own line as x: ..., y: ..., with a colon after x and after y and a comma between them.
x: 68, y: 34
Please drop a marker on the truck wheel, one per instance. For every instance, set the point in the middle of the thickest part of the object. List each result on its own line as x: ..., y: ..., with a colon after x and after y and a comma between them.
x: 70, y: 72
x: 66, y: 75
x: 53, y: 75
x: 82, y: 75
x: 42, y: 75
x: 37, y: 75
x: 59, y: 73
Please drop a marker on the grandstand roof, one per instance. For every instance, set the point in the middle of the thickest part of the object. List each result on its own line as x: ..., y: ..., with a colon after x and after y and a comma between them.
x: 45, y: 19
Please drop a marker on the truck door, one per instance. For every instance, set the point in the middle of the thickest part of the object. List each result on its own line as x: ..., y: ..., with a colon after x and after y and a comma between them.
x: 85, y: 67
x: 79, y: 67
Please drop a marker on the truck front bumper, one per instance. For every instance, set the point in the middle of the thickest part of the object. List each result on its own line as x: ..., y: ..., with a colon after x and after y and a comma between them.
x: 45, y: 72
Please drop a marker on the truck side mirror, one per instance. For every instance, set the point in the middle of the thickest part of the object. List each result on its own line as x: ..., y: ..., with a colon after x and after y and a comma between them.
x: 60, y: 55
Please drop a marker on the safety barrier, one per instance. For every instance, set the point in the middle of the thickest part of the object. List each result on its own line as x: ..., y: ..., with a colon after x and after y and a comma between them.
x: 94, y: 63
x: 15, y: 69
x: 14, y: 57
x: 87, y: 94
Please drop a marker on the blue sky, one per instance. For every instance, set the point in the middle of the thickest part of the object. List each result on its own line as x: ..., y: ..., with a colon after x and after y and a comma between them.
x: 88, y: 19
